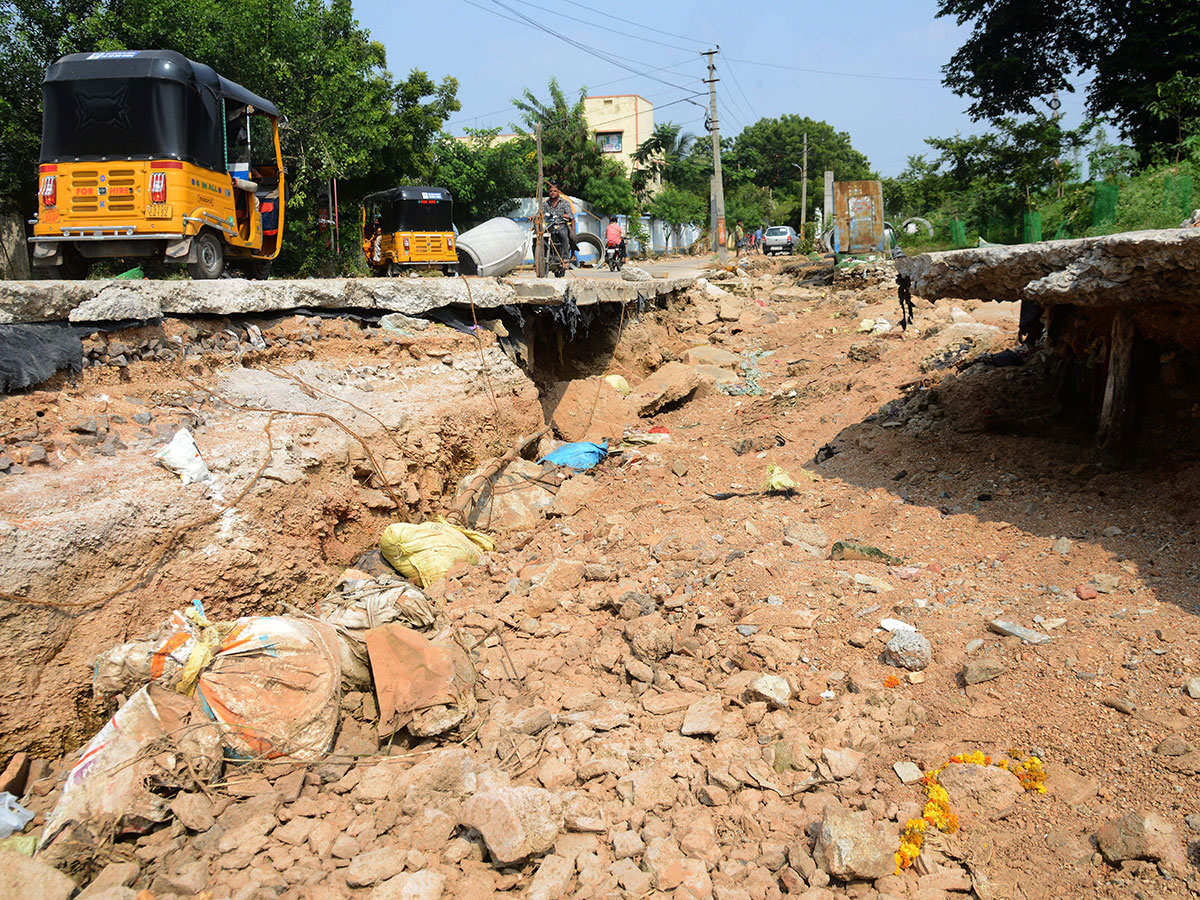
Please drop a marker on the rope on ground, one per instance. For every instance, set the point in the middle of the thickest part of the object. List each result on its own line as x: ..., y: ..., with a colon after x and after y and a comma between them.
x: 482, y: 359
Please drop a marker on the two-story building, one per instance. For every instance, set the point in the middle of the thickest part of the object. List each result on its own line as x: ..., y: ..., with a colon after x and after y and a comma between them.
x: 620, y: 122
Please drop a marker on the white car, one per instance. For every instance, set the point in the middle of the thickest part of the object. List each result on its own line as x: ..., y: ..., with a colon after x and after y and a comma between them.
x: 780, y: 239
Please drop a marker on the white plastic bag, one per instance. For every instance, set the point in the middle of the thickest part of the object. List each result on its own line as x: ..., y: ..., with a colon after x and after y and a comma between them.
x: 182, y: 457
x: 13, y: 816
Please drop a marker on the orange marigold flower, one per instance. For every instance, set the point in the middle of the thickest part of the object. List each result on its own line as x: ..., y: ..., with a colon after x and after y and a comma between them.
x: 891, y: 681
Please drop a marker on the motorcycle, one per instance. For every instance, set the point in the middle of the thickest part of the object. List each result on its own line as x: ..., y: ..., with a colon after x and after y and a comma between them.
x: 554, y: 252
x: 615, y: 258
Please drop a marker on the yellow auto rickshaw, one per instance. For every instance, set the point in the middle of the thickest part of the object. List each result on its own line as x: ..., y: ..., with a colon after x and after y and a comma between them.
x: 409, y: 226
x: 146, y: 153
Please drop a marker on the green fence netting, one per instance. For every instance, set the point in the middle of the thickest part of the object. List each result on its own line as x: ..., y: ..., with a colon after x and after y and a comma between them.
x: 1031, y: 228
x: 1104, y: 204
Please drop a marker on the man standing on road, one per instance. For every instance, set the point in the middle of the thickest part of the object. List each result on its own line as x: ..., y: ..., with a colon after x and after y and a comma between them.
x: 758, y: 236
x: 562, y: 233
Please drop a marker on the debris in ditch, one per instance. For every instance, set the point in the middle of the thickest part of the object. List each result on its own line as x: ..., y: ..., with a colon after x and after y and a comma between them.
x: 158, y: 740
x: 13, y: 816
x: 420, y: 683
x: 656, y: 435
x: 619, y: 384
x: 182, y: 457
x: 580, y: 456
x: 272, y: 683
x: 778, y: 481
x: 360, y: 602
x: 424, y: 552
x: 853, y: 550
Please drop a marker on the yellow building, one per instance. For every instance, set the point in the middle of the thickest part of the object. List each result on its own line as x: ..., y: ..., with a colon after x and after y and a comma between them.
x: 620, y: 123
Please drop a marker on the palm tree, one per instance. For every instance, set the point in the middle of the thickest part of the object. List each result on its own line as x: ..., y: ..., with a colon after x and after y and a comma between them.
x: 659, y: 154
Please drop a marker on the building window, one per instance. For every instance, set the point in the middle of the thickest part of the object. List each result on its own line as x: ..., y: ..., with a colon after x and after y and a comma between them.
x: 609, y: 141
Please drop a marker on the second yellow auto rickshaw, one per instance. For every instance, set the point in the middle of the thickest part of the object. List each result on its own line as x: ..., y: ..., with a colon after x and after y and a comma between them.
x: 409, y: 226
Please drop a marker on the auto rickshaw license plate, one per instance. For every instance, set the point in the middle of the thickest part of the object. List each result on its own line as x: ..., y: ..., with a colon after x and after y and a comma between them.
x: 158, y: 210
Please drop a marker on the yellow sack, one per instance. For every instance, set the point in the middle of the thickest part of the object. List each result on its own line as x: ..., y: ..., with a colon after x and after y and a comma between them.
x: 619, y: 383
x: 424, y: 553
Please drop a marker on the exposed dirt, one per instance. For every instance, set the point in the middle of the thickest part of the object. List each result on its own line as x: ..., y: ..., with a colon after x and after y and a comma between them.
x: 608, y: 623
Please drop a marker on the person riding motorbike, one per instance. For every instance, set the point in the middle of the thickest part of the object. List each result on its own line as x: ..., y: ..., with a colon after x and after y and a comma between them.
x: 614, y: 237
x: 560, y: 218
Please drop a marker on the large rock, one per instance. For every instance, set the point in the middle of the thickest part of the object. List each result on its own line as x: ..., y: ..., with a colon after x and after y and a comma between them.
x: 670, y: 384
x: 422, y: 885
x: 551, y: 880
x: 588, y: 409
x: 708, y: 355
x: 1142, y: 267
x: 375, y: 866
x: 516, y: 822
x: 703, y: 717
x: 908, y: 650
x: 980, y: 789
x: 850, y: 848
x: 516, y: 501
x: 31, y: 879
x: 1141, y: 835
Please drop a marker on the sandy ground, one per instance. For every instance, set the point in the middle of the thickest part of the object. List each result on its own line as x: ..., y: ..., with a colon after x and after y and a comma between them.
x: 667, y: 578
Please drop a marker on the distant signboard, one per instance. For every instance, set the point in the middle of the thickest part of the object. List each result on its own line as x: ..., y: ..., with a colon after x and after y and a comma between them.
x: 609, y: 141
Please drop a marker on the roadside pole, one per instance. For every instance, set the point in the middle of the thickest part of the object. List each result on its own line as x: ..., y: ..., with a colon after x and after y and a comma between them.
x: 538, y: 224
x: 718, y: 186
x: 804, y: 189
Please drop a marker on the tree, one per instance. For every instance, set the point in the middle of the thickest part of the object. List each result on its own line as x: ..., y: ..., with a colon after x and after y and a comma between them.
x: 1021, y: 52
x: 483, y: 174
x: 611, y: 192
x: 1178, y: 103
x: 773, y: 150
x: 570, y: 157
x: 678, y: 207
x: 661, y: 155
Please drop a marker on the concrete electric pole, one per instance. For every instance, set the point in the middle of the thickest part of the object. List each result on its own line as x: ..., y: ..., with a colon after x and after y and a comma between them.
x: 718, y: 186
x: 804, y: 189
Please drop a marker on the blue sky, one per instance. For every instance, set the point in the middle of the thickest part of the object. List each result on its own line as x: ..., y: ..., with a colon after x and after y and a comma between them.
x: 899, y: 43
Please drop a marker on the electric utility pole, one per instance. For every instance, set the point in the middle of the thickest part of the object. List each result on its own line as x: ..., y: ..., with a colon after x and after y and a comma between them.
x: 718, y: 187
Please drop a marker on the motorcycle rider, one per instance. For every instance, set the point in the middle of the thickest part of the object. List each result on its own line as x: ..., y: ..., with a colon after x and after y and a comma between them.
x: 562, y: 232
x: 613, y: 237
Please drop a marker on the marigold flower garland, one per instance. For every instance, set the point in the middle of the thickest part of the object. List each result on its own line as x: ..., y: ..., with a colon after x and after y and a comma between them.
x: 937, y: 812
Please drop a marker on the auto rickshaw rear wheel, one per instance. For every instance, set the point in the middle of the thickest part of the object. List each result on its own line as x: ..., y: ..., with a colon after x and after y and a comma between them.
x: 259, y: 269
x: 74, y: 266
x: 210, y: 257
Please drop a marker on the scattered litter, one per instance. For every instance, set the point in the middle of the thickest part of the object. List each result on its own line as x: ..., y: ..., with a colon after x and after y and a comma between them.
x: 750, y: 375
x: 852, y: 550
x: 182, y: 457
x: 895, y: 625
x: 1010, y: 628
x: 779, y: 481
x: 619, y: 383
x: 580, y: 456
x: 656, y: 435
x: 399, y: 323
x: 13, y: 816
x: 111, y: 789
x: 425, y: 552
x: 131, y: 274
x: 420, y: 683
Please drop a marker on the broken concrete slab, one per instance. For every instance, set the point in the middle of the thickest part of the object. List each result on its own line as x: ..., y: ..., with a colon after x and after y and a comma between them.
x: 1141, y: 267
x: 96, y: 301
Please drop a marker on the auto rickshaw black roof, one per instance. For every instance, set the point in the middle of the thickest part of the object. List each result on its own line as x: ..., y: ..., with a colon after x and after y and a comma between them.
x: 139, y: 104
x: 167, y: 65
x: 409, y: 192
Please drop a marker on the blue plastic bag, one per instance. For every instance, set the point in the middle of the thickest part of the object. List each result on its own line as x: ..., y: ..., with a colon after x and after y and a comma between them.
x: 580, y: 456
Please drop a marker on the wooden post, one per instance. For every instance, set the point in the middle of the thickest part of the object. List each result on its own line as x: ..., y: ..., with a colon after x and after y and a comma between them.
x: 1116, y: 415
x: 537, y: 222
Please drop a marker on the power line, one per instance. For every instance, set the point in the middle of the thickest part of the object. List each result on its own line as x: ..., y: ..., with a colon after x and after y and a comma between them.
x: 754, y: 62
x: 738, y: 84
x: 497, y: 112
x: 627, y: 34
x: 610, y: 58
x: 640, y: 25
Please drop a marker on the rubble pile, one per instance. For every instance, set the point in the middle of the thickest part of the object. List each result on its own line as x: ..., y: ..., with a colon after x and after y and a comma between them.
x: 688, y: 643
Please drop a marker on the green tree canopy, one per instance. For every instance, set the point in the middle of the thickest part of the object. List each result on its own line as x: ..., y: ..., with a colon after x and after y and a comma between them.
x: 1020, y: 53
x: 570, y: 157
x: 483, y: 174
